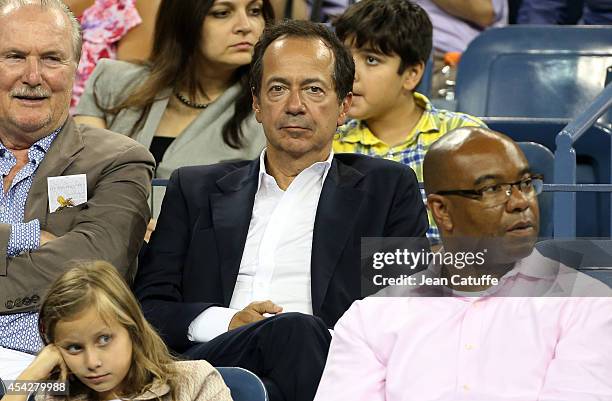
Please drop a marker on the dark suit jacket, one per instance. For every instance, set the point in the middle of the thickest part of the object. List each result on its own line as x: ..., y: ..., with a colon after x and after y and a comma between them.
x: 194, y: 255
x: 109, y: 226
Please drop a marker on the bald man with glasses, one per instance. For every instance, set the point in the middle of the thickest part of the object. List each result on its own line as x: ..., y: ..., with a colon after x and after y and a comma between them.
x: 534, y: 330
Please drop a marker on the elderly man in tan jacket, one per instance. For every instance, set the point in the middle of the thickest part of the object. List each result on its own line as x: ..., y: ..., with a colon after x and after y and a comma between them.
x: 68, y: 192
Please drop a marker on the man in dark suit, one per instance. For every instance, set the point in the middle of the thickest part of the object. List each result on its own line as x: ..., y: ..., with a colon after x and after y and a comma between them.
x: 285, y: 227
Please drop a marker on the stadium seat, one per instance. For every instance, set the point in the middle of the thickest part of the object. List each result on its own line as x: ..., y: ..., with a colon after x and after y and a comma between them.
x: 542, y: 161
x: 533, y: 71
x: 592, y: 257
x: 2, y: 389
x: 603, y: 275
x: 243, y: 384
x: 593, y: 164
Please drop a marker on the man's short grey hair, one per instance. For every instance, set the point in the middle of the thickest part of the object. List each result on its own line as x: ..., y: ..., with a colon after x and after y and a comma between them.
x: 77, y: 37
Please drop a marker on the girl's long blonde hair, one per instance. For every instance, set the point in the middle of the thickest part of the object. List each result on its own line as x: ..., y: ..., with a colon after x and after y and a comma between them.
x: 98, y: 284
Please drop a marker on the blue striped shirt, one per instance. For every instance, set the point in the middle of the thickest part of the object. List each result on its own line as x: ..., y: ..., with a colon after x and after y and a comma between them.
x: 19, y: 331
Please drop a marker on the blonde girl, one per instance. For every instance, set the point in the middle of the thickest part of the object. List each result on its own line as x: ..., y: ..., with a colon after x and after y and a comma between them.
x: 98, y: 340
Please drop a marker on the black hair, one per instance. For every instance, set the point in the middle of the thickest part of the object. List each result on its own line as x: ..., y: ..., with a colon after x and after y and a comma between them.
x: 344, y: 66
x: 398, y: 27
x: 176, y: 61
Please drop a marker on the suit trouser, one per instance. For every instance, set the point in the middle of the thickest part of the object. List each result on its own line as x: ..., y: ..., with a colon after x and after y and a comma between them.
x: 287, y: 351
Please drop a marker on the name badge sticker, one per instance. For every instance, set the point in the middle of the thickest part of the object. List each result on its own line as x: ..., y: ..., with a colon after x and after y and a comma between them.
x: 66, y: 191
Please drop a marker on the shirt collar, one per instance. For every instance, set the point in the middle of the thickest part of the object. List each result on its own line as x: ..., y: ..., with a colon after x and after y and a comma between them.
x: 430, y: 120
x: 42, y: 144
x: 324, y: 165
x: 534, y: 267
x: 534, y: 275
x: 45, y: 143
x: 357, y: 131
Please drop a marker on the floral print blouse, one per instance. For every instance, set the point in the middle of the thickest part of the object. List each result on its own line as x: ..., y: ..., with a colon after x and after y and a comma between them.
x: 104, y: 24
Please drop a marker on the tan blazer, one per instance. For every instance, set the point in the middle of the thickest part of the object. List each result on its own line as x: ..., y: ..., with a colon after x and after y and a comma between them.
x: 109, y: 226
x: 195, y: 381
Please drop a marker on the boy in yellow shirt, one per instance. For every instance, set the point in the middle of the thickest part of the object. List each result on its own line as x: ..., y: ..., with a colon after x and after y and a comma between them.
x: 391, y: 41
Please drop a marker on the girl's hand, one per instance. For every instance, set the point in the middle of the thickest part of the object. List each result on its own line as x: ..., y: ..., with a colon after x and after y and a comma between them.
x: 45, y: 362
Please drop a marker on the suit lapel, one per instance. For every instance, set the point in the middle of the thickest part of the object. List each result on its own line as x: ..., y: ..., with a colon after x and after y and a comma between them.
x: 64, y: 149
x: 231, y: 214
x: 334, y: 223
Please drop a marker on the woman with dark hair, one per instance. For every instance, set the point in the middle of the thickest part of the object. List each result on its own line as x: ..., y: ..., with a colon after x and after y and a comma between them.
x: 190, y: 102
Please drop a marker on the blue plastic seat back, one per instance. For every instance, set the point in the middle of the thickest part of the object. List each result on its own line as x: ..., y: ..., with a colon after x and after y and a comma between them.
x: 592, y: 257
x: 533, y: 71
x: 542, y: 161
x: 603, y: 275
x: 243, y: 384
x: 593, y: 164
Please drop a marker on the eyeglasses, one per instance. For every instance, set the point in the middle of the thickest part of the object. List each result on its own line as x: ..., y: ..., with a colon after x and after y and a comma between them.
x: 497, y: 194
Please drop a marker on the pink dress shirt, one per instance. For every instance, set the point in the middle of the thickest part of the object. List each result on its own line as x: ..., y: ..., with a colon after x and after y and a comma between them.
x: 473, y: 348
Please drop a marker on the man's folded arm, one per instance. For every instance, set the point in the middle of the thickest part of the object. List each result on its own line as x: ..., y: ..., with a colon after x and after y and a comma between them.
x: 172, y: 319
x: 23, y: 237
x: 110, y: 226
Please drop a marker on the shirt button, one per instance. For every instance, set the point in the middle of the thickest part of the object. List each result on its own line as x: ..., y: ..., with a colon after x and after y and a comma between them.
x: 35, y: 299
x: 9, y: 304
x: 17, y: 302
